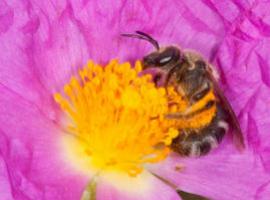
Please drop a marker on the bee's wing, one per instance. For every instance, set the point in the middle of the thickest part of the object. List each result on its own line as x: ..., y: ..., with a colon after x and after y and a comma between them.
x: 238, y: 136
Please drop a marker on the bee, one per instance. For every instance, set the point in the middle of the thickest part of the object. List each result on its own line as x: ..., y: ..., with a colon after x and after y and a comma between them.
x: 194, y: 78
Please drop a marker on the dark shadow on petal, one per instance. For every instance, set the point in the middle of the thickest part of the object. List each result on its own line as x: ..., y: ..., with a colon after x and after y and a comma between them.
x: 190, y: 196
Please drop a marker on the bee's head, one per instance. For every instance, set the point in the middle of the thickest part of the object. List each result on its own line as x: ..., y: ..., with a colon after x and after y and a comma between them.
x: 162, y: 59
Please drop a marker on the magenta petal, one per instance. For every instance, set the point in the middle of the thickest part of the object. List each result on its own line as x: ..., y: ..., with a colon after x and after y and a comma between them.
x: 5, y: 187
x: 263, y: 192
x: 54, y: 39
x: 224, y: 175
x: 244, y: 61
x: 33, y: 166
x: 43, y: 43
x: 170, y: 22
x: 157, y: 190
x: 39, y: 52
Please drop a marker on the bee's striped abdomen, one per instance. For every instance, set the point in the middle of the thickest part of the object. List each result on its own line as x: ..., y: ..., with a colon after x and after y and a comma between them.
x: 205, y: 119
x: 196, y: 142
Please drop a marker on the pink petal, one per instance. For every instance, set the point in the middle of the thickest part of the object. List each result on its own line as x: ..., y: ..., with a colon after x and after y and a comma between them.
x: 39, y: 54
x: 42, y: 43
x: 243, y: 58
x: 5, y: 187
x: 223, y: 174
x: 53, y: 39
x: 33, y: 166
x: 155, y: 189
x: 263, y: 192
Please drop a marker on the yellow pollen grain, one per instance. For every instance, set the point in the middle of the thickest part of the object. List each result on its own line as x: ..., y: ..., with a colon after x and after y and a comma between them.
x: 117, y: 116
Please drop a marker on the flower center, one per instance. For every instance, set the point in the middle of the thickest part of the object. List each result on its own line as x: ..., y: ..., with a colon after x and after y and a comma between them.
x: 117, y: 117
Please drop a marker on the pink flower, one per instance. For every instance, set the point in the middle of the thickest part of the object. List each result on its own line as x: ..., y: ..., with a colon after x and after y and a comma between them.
x: 44, y: 43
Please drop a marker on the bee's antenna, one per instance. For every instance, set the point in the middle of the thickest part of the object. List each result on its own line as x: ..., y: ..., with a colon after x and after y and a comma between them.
x: 143, y: 36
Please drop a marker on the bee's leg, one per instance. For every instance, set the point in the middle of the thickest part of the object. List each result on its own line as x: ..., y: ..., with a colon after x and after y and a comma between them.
x: 200, y: 142
x: 194, y: 144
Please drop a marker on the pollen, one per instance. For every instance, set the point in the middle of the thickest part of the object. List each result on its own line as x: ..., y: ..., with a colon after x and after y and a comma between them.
x: 117, y: 117
x: 182, y: 115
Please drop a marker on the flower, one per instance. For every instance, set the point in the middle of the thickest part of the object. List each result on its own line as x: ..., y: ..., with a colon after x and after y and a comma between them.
x: 43, y: 44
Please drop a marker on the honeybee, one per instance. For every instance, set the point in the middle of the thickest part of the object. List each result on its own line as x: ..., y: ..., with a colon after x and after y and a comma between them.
x: 194, y: 78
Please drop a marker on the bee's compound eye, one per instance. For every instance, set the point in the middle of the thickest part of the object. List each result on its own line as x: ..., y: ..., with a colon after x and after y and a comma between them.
x: 165, y: 60
x: 160, y: 59
x: 168, y: 55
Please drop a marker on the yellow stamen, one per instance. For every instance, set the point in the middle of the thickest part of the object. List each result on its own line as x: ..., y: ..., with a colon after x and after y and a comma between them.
x: 118, y: 116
